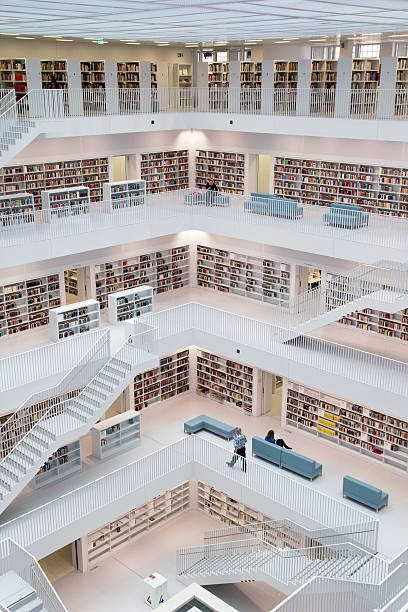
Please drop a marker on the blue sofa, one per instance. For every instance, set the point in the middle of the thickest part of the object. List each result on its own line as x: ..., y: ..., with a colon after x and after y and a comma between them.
x: 272, y: 205
x: 209, y: 424
x: 347, y: 216
x: 285, y: 458
x: 207, y: 198
x: 364, y: 493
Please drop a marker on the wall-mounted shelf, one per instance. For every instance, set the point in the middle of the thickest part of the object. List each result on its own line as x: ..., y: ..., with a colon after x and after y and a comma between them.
x: 74, y: 319
x: 58, y: 68
x: 285, y: 74
x: 164, y: 171
x: 118, y: 434
x: 227, y: 170
x: 63, y: 463
x: 93, y: 74
x: 128, y: 304
x: 124, y: 194
x: 128, y: 74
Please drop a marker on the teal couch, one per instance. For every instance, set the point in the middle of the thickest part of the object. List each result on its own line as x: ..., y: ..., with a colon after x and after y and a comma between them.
x: 209, y: 424
x: 347, y: 216
x: 287, y: 459
x: 272, y: 205
x: 364, y: 493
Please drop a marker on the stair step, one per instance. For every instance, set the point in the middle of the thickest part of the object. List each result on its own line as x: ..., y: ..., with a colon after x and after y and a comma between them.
x: 81, y: 406
x: 38, y: 440
x: 89, y: 399
x: 76, y: 415
x: 31, y: 448
x: 35, y: 605
x: 7, y: 140
x: 111, y: 379
x: 19, y: 464
x: 101, y: 385
x: 25, y: 455
x: 7, y: 471
x: 45, y: 432
x: 6, y: 484
x: 112, y: 370
x: 120, y: 364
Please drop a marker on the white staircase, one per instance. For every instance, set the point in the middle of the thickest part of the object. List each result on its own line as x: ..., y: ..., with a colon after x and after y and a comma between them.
x: 17, y: 130
x: 25, y: 453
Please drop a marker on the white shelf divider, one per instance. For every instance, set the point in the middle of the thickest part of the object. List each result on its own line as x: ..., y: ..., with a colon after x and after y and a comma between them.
x: 76, y: 199
x: 74, y: 319
x: 124, y: 194
x: 131, y: 303
x: 116, y: 434
x: 63, y: 463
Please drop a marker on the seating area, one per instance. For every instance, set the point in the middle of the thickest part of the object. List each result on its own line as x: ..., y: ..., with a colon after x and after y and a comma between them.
x: 274, y: 206
x: 209, y: 424
x: 206, y: 198
x: 287, y: 459
x: 346, y: 216
x: 366, y: 494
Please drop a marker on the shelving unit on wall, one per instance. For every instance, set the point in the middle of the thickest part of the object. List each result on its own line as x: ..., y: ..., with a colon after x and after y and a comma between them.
x: 218, y: 74
x: 76, y: 199
x: 116, y: 435
x: 93, y: 74
x: 324, y: 74
x: 227, y: 170
x: 13, y: 75
x: 75, y: 319
x: 128, y: 74
x: 371, y: 433
x: 365, y: 73
x: 393, y: 325
x: 162, y: 270
x: 170, y: 379
x: 25, y: 305
x: 104, y: 541
x: 251, y: 74
x: 153, y: 76
x: 71, y: 282
x: 14, y: 209
x: 402, y: 74
x: 58, y: 68
x: 130, y: 303
x: 124, y: 194
x: 224, y: 380
x: 183, y: 75
x: 61, y: 464
x: 164, y: 171
x: 378, y: 189
x: 285, y: 74
x: 35, y: 178
x: 253, y: 277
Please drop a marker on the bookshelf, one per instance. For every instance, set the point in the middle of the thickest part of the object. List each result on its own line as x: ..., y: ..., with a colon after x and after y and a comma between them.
x: 61, y: 464
x: 35, y: 178
x: 71, y: 281
x: 128, y: 74
x: 402, y: 74
x: 164, y: 171
x: 378, y: 189
x: 124, y: 194
x: 324, y: 74
x: 170, y: 379
x: 253, y: 277
x: 13, y: 75
x: 25, y: 305
x: 75, y: 319
x: 365, y: 73
x: 104, y: 541
x: 359, y: 428
x: 12, y: 206
x: 251, y: 74
x: 224, y: 380
x: 218, y: 74
x: 393, y: 325
x: 162, y: 270
x: 183, y: 75
x: 118, y: 434
x: 57, y: 68
x: 130, y: 303
x: 76, y: 199
x: 285, y: 75
x: 92, y: 74
x: 153, y: 76
x: 227, y: 170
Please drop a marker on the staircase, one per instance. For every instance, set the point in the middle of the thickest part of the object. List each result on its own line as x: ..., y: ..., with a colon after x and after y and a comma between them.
x: 25, y: 452
x: 17, y: 130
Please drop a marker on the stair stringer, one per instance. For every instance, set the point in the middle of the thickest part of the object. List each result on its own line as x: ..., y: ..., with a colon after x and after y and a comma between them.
x: 74, y: 427
x: 21, y: 142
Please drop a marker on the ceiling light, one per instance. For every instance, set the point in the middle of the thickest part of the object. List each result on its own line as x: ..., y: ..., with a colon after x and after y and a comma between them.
x: 93, y: 38
x: 52, y: 36
x: 398, y: 35
x: 128, y: 40
x: 26, y: 37
x: 132, y: 43
x: 221, y: 42
x: 255, y: 40
x: 9, y: 34
x: 161, y: 42
x: 317, y: 39
x: 163, y: 45
x: 280, y: 42
x: 64, y: 40
x: 293, y: 38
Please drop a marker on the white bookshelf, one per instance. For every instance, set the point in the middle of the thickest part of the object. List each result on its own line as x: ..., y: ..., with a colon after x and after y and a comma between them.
x: 58, y: 68
x: 323, y: 74
x: 251, y: 74
x: 93, y: 74
x: 253, y: 277
x: 128, y: 74
x: 13, y: 74
x: 77, y: 199
x: 11, y: 208
x: 227, y: 170
x: 128, y: 304
x: 365, y: 73
x: 116, y: 435
x: 359, y: 428
x: 104, y: 541
x: 170, y: 379
x: 218, y: 74
x: 25, y: 304
x: 124, y: 194
x: 74, y: 319
x: 164, y: 271
x: 183, y: 75
x: 285, y: 74
x: 393, y: 325
x: 61, y: 464
x: 164, y: 171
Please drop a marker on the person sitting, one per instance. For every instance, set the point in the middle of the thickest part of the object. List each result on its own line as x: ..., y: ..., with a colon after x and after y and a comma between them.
x: 270, y: 437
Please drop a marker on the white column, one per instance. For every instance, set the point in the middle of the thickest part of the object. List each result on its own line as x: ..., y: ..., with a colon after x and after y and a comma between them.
x: 91, y: 282
x: 204, y: 91
x: 257, y: 393
x: 284, y: 396
x: 386, y: 92
x: 294, y: 282
x: 145, y: 86
x: 76, y: 105
x: 61, y: 280
x: 343, y: 87
x: 234, y: 88
x: 267, y: 85
x: 303, y: 87
x: 192, y: 365
x: 111, y: 85
x: 33, y: 70
x: 80, y: 553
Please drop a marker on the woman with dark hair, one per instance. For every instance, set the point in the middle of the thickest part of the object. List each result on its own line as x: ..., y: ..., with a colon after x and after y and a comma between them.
x: 270, y: 437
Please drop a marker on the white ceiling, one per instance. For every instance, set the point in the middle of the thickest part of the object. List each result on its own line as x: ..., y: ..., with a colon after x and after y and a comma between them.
x: 201, y: 20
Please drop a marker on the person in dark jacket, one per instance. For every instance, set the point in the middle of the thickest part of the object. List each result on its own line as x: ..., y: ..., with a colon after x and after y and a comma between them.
x: 53, y: 82
x: 211, y: 188
x: 270, y: 437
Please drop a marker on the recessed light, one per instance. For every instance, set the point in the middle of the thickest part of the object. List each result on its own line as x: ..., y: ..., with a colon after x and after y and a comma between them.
x: 128, y: 40
x: 221, y: 42
x: 132, y: 43
x: 280, y: 42
x: 398, y: 35
x: 9, y: 34
x: 64, y: 40
x: 255, y: 40
x: 317, y: 39
x: 52, y: 36
x: 26, y: 37
x: 161, y: 42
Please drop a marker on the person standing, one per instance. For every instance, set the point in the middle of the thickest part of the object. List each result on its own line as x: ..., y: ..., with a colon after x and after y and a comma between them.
x: 212, y: 189
x: 239, y: 449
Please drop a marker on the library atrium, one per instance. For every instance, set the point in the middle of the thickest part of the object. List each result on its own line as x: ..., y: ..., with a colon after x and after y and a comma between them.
x: 204, y: 306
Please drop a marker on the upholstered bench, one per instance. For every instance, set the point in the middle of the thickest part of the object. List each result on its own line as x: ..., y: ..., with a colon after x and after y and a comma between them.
x: 209, y: 424
x: 273, y: 206
x: 346, y: 216
x: 299, y: 464
x: 266, y: 450
x: 364, y: 493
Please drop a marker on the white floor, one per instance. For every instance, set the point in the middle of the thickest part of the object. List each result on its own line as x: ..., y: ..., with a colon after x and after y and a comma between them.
x: 117, y: 583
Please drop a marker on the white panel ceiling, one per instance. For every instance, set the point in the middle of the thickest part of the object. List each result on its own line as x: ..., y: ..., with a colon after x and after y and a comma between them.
x: 202, y: 20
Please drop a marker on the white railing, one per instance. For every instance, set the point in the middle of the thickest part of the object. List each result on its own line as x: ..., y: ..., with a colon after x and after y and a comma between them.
x: 7, y: 99
x: 48, y: 360
x: 329, y: 103
x: 188, y: 456
x: 18, y: 426
x: 14, y: 558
